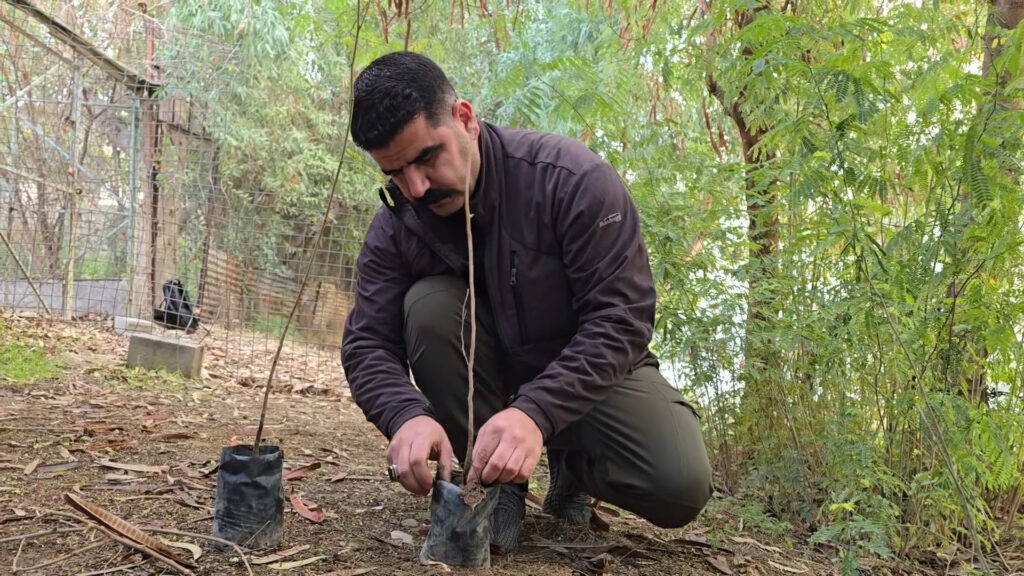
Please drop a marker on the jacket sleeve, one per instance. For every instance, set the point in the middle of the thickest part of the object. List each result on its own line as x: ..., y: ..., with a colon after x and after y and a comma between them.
x: 614, y: 299
x: 373, y: 353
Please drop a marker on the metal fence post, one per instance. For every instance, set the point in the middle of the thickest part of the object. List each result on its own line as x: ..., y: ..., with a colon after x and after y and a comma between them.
x: 133, y: 198
x: 71, y: 205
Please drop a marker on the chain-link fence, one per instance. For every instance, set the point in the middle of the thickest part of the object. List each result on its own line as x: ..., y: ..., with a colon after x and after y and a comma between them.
x: 111, y: 187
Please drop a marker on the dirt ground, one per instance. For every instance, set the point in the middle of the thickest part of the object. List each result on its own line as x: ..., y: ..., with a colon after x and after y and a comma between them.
x: 144, y: 447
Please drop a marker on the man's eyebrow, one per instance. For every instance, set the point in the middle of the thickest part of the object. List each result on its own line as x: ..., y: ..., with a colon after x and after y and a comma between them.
x: 421, y: 157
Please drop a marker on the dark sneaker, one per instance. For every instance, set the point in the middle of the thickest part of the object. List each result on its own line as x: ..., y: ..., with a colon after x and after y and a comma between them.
x: 565, y: 500
x: 507, y: 518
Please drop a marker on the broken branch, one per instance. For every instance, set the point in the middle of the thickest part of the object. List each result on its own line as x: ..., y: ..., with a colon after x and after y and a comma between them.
x: 238, y: 549
x: 59, y: 560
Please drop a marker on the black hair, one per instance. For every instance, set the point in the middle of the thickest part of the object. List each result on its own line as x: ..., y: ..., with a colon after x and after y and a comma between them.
x: 392, y: 91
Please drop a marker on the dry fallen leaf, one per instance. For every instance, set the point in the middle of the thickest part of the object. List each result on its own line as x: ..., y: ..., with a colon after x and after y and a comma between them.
x: 764, y: 547
x: 32, y: 466
x: 301, y: 472
x: 279, y: 555
x: 301, y: 509
x: 195, y: 550
x: 60, y: 467
x: 296, y: 563
x: 721, y: 563
x: 120, y: 478
x: 598, y: 523
x: 144, y: 468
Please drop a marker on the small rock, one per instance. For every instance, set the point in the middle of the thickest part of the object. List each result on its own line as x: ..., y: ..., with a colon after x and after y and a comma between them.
x: 410, y: 523
x: 402, y: 537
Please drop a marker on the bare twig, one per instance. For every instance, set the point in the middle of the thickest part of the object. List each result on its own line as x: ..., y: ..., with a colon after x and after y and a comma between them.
x: 471, y: 432
x: 14, y: 563
x: 80, y: 519
x: 40, y: 533
x: 62, y: 558
x: 114, y: 569
x: 319, y: 234
x: 238, y: 549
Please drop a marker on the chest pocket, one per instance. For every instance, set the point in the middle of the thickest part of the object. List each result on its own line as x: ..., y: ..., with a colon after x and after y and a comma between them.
x: 542, y: 297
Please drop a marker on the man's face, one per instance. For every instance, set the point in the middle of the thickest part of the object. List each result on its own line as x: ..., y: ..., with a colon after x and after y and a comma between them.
x: 435, y: 166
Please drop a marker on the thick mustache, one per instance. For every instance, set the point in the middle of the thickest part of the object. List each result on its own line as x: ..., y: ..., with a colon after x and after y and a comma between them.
x: 435, y: 195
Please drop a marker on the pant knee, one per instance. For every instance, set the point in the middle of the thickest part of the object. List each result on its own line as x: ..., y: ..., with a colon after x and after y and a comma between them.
x: 674, y: 503
x: 433, y: 305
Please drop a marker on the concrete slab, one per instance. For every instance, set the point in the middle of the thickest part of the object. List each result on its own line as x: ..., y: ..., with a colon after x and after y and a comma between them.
x: 124, y: 324
x: 156, y: 352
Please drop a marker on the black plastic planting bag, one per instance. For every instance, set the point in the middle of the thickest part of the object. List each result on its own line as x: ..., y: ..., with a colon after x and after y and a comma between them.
x: 250, y: 501
x: 459, y: 534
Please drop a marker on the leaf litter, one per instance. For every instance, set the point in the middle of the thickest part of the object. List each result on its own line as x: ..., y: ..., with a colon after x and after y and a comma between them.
x: 160, y: 447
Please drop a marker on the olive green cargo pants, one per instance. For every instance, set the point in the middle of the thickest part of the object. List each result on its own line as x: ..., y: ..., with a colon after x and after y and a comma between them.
x: 640, y: 448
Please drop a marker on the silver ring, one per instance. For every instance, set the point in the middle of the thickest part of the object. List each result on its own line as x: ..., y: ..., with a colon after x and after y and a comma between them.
x: 393, y: 472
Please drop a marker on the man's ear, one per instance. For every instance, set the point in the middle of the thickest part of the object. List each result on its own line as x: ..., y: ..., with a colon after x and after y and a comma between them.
x: 463, y: 112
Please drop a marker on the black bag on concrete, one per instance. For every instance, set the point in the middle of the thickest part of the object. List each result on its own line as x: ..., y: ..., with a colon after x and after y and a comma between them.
x: 176, y: 310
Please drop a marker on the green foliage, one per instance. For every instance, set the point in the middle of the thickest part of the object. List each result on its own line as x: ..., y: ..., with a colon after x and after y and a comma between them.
x: 860, y: 379
x: 751, y: 516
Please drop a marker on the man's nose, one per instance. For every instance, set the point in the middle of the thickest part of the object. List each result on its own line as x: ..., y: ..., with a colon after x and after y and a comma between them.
x: 416, y: 182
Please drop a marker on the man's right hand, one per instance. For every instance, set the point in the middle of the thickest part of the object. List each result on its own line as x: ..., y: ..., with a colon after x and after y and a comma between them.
x: 418, y: 440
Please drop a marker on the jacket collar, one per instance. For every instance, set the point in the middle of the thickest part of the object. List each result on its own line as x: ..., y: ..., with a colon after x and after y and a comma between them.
x: 483, y: 203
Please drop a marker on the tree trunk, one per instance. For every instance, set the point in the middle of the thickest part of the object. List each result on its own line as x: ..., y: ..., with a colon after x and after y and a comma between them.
x: 762, y: 359
x: 969, y: 360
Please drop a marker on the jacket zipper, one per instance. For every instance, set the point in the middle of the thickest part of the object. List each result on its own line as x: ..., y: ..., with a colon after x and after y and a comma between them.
x: 518, y: 298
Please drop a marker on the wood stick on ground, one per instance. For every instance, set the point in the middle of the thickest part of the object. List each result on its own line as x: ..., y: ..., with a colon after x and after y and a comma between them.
x: 124, y: 528
x: 24, y: 272
x: 238, y: 549
x: 114, y: 569
x: 145, y: 550
x: 14, y: 563
x: 40, y: 533
x: 62, y: 558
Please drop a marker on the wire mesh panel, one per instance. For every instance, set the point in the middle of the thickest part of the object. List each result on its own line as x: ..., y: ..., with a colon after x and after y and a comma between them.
x: 114, y: 189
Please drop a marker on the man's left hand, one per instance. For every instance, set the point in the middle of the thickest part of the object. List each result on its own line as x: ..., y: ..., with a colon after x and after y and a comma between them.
x: 507, y: 448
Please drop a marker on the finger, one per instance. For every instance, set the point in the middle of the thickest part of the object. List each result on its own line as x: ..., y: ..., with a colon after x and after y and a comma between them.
x: 485, y: 446
x: 395, y: 447
x: 401, y: 460
x: 497, y: 463
x: 512, y: 468
x: 419, y: 453
x: 528, y: 466
x: 444, y: 463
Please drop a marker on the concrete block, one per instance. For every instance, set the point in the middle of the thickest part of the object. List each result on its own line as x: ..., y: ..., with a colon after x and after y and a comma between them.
x: 154, y: 352
x: 123, y: 324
